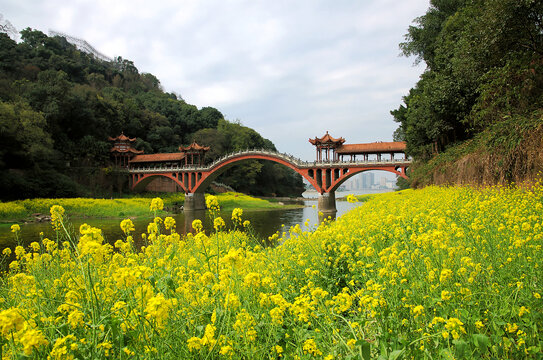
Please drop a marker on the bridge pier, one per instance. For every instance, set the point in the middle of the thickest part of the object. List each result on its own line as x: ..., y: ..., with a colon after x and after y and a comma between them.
x: 327, y: 203
x: 194, y: 201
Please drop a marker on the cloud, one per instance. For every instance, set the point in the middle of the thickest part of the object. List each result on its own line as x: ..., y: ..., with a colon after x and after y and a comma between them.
x: 291, y: 70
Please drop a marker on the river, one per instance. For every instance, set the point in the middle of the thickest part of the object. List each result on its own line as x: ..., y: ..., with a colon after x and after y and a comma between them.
x: 264, y: 222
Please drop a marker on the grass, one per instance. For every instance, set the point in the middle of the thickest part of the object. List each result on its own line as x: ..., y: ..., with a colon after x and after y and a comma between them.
x: 120, y: 208
x: 231, y: 200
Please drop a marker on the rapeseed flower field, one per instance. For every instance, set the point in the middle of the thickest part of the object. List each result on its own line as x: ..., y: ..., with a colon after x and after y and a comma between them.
x: 438, y: 273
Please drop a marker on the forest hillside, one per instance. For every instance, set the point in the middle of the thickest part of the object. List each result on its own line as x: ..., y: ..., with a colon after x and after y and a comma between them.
x: 59, y: 105
x: 476, y: 114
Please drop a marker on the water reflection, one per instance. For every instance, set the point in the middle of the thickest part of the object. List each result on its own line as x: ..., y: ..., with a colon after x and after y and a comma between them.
x: 264, y: 222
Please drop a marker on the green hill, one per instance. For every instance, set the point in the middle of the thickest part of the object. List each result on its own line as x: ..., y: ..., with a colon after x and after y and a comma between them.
x: 59, y: 105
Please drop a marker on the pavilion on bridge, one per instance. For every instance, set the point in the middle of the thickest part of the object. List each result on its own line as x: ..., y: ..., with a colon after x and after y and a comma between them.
x: 122, y: 151
x: 334, y: 149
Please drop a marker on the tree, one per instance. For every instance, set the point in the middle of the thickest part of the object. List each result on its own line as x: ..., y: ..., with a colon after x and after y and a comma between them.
x: 23, y: 136
x: 465, y: 44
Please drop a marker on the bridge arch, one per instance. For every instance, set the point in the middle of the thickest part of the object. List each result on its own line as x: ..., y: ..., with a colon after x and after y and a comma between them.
x: 220, y: 167
x: 140, y: 181
x: 398, y: 170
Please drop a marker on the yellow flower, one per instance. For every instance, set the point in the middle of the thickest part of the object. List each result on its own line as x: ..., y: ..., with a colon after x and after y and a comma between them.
x: 236, y: 216
x: 351, y: 198
x: 197, y: 225
x: 152, y: 228
x: 194, y: 343
x: 208, y: 338
x: 32, y: 339
x: 276, y: 315
x: 169, y: 223
x: 127, y: 226
x: 418, y: 310
x: 226, y: 350
x: 207, y: 278
x: 310, y: 347
x: 231, y: 301
x: 511, y: 328
x: 157, y: 204
x: 212, y: 204
x: 158, y: 309
x: 15, y: 228
x: 523, y: 310
x: 75, y: 319
x: 445, y: 275
x: 106, y: 347
x: 57, y: 216
x: 218, y: 223
x: 61, y: 348
x: 446, y: 295
x: 252, y: 279
x: 10, y: 321
x: 343, y: 302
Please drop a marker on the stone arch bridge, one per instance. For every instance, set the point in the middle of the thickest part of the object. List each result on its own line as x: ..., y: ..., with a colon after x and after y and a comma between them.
x: 324, y: 176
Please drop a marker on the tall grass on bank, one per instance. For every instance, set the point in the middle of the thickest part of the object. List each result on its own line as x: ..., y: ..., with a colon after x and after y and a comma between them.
x: 123, y: 207
x: 86, y: 207
x: 438, y: 273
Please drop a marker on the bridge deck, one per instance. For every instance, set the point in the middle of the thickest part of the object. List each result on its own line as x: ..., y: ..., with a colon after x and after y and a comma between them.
x: 291, y: 159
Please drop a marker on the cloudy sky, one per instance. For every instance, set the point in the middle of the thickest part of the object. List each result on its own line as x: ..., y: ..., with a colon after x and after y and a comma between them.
x: 289, y: 69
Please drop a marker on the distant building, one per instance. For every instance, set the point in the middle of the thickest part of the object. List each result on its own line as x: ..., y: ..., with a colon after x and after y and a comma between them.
x: 368, y: 180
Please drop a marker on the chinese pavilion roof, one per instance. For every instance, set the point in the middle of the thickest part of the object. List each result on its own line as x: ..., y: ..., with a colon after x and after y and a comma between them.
x: 122, y: 137
x: 193, y: 147
x: 327, y: 139
x: 158, y: 157
x: 372, y: 148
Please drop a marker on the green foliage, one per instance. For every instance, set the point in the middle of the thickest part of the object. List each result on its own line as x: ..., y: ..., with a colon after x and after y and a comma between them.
x: 484, y: 64
x: 58, y: 107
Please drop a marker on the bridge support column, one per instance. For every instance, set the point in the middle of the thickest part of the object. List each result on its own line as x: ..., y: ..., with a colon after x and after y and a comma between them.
x: 195, y: 201
x: 327, y: 203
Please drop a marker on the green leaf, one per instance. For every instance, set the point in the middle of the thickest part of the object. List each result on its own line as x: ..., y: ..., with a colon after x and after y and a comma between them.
x: 396, y: 354
x: 365, y: 348
x: 481, y: 341
x: 461, y: 347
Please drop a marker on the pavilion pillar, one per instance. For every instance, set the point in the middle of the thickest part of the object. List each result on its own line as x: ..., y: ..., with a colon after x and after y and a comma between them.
x: 194, y: 201
x: 327, y: 203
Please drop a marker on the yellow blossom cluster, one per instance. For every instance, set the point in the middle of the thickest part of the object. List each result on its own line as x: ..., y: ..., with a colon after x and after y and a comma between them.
x: 433, y: 273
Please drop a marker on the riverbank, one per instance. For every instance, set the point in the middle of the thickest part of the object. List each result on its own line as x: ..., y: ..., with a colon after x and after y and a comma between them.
x: 34, y: 210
